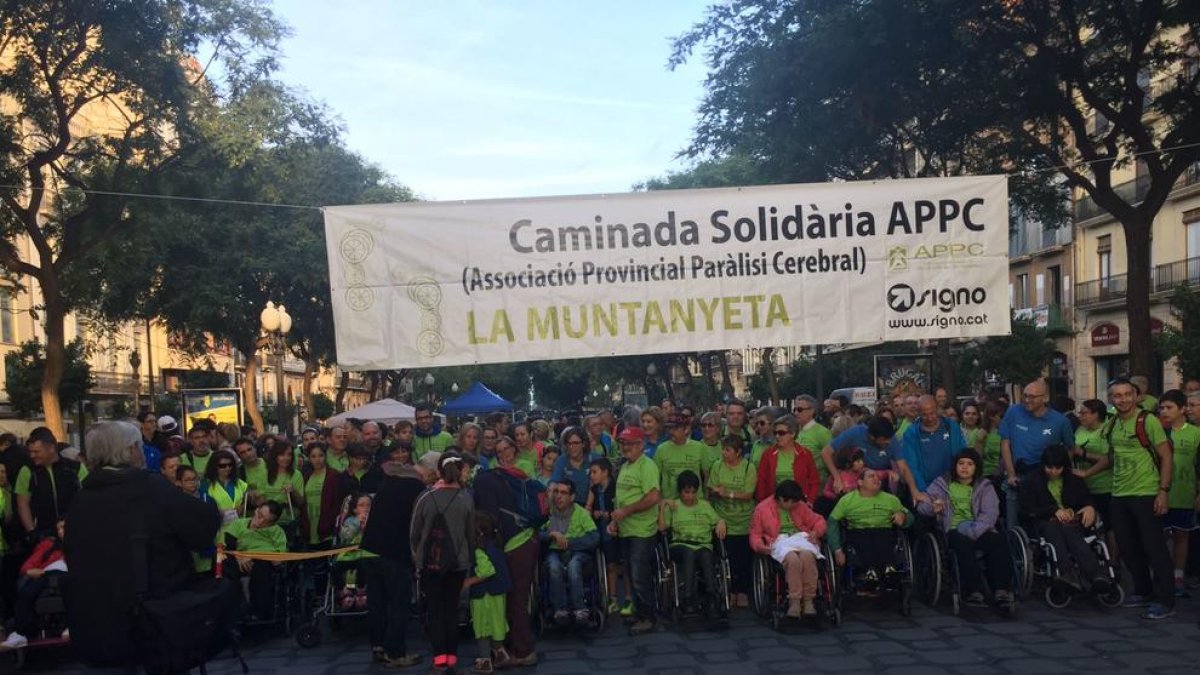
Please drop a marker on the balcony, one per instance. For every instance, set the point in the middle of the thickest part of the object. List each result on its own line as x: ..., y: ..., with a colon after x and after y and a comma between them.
x: 1050, y: 316
x: 1023, y: 242
x: 1133, y: 192
x: 1163, y: 278
x: 116, y: 383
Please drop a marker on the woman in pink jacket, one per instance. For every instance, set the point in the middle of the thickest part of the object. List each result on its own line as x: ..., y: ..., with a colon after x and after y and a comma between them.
x: 784, y: 515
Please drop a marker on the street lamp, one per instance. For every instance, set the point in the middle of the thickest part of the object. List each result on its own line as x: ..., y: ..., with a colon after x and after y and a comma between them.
x: 135, y: 362
x: 276, y: 323
x: 429, y: 385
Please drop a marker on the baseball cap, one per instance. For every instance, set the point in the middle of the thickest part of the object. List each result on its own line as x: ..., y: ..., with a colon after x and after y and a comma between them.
x: 632, y: 434
x: 677, y: 420
x: 167, y: 424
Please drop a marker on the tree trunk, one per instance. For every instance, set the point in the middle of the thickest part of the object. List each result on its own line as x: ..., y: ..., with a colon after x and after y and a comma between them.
x: 670, y: 386
x: 250, y: 389
x: 56, y: 355
x: 819, y: 373
x: 1137, y: 300
x: 946, y: 367
x: 339, y: 401
x: 310, y: 369
x: 772, y: 381
x: 707, y: 369
x: 726, y: 380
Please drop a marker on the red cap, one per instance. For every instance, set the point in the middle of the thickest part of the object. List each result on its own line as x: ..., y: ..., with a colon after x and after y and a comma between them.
x: 632, y: 434
x: 677, y: 420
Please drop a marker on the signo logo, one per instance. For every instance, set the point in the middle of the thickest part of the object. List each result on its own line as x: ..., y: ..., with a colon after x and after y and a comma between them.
x: 903, y: 298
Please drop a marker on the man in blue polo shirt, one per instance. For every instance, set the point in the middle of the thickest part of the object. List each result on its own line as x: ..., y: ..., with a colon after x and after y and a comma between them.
x: 930, y: 445
x: 1026, y: 431
x: 881, y: 450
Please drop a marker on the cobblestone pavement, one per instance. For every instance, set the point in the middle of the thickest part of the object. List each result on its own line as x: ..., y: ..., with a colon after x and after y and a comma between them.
x: 1079, y: 638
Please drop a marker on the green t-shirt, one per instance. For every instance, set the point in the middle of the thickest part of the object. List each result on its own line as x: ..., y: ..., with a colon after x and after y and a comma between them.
x: 635, y: 481
x: 972, y: 436
x: 1055, y: 488
x: 786, y: 526
x: 1149, y: 404
x: 991, y: 453
x: 1184, y: 442
x: 312, y: 502
x: 25, y: 475
x: 740, y: 478
x: 673, y: 460
x: 256, y: 476
x: 337, y: 464
x: 1093, y: 441
x: 263, y: 540
x: 527, y: 461
x: 862, y: 513
x: 197, y: 462
x: 692, y: 526
x: 960, y: 503
x: 785, y: 466
x: 815, y: 438
x: 757, y: 450
x: 712, y: 453
x: 1135, y: 473
x: 579, y: 525
x: 436, y: 443
x: 274, y: 492
x: 905, y: 423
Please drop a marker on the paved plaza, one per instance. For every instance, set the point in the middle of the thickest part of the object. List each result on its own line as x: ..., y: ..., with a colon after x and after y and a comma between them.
x: 1079, y: 638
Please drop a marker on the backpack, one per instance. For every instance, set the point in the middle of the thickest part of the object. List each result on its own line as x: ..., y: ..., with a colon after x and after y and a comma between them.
x: 438, y: 553
x: 532, y: 506
x: 1139, y: 429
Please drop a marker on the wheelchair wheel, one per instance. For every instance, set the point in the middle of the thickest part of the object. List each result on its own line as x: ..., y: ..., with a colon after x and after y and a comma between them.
x: 761, y: 591
x: 600, y: 604
x: 308, y: 636
x: 928, y: 560
x: 1019, y: 548
x: 1057, y: 597
x: 1114, y: 598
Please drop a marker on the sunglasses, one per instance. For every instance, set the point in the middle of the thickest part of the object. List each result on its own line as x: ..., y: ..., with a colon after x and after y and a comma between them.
x: 783, y: 432
x: 761, y: 424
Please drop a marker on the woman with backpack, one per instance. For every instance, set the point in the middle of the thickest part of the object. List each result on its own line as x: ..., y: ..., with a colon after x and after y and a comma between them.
x: 443, y: 544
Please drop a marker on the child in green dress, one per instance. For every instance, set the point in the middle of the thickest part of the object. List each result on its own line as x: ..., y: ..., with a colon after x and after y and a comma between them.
x: 488, y: 584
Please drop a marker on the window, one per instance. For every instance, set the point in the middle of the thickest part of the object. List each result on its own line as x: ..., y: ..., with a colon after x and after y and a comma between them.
x: 8, y: 324
x: 1104, y: 249
x: 1022, y: 299
x: 1054, y: 275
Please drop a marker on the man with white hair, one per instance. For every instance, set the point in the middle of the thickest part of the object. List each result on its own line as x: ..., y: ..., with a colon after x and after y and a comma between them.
x: 120, y: 509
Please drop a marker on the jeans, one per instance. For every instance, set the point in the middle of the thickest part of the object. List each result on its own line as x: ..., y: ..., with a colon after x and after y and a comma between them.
x: 1143, y: 548
x: 1012, y: 509
x: 639, y: 551
x: 688, y: 560
x: 441, y: 605
x: 28, y: 591
x: 998, y: 563
x: 570, y: 563
x: 389, y: 603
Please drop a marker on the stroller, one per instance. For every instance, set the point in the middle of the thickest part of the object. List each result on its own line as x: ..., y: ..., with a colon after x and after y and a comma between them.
x: 345, y: 593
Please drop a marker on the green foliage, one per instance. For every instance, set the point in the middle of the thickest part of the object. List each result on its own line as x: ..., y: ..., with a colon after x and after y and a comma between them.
x: 850, y: 368
x: 723, y: 172
x: 1183, y: 343
x: 322, y: 406
x: 169, y: 404
x: 120, y: 409
x: 23, y: 377
x: 203, y: 379
x: 1015, y: 359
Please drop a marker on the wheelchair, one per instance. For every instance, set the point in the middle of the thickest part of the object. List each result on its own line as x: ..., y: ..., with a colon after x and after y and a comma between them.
x: 595, y: 594
x: 900, y: 581
x: 769, y: 591
x: 668, y: 582
x: 1044, y: 570
x: 937, y: 573
x: 51, y: 613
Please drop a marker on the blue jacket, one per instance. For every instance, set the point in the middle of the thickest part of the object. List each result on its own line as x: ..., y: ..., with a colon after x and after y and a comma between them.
x: 499, y: 583
x: 931, y: 455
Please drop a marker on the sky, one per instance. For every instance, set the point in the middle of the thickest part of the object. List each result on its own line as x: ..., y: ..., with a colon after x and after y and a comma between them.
x: 467, y: 99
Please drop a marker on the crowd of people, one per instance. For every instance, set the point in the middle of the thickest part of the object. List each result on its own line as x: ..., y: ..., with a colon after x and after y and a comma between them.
x: 459, y: 513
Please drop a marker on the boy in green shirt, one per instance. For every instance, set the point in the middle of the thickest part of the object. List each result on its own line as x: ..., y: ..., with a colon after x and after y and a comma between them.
x: 870, y: 515
x: 693, y: 522
x: 257, y: 534
x: 568, y: 537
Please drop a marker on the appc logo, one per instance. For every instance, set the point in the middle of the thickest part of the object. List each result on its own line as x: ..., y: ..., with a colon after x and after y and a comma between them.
x: 898, y: 257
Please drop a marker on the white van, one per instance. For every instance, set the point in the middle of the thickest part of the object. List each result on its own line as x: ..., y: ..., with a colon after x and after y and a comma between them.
x: 866, y: 397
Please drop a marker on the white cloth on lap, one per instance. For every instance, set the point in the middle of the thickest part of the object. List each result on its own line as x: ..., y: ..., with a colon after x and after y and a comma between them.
x: 785, y: 544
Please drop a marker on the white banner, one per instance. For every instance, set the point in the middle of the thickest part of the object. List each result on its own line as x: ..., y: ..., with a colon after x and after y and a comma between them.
x: 449, y: 283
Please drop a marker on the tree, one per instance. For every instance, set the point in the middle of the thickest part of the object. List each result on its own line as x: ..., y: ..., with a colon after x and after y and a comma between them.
x: 819, y: 89
x: 97, y: 96
x: 24, y: 372
x: 1018, y: 358
x: 322, y: 406
x: 1183, y: 343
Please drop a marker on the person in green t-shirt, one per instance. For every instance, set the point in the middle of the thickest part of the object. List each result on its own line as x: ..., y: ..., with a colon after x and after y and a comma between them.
x: 569, y: 539
x: 692, y: 523
x: 253, y: 469
x: 812, y: 435
x: 1182, y: 501
x: 677, y: 454
x: 257, y: 534
x: 710, y: 437
x: 634, y: 520
x: 1142, y: 473
x: 731, y: 484
x: 870, y: 516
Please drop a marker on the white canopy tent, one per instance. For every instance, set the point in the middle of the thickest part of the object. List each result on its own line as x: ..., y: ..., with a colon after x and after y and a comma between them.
x: 387, y: 411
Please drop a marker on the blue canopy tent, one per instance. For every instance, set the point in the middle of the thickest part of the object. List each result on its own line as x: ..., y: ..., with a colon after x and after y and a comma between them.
x: 477, y: 399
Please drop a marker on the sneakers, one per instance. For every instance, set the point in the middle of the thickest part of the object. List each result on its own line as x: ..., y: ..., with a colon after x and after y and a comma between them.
x: 582, y: 616
x: 14, y: 641
x: 1181, y: 588
x: 482, y: 666
x: 1158, y: 611
x: 890, y: 571
x: 529, y: 659
x: 642, y: 627
x: 1133, y: 601
x: 808, y: 607
x: 360, y: 601
x: 974, y: 600
x: 562, y: 617
x: 627, y: 610
x: 1004, y: 598
x: 66, y: 634
x: 871, y: 575
x: 795, y: 606
x: 613, y: 607
x: 403, y: 661
x: 741, y: 600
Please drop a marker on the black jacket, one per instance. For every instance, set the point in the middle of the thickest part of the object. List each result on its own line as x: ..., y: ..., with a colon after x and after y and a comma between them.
x: 1038, y: 504
x: 493, y: 494
x: 391, y: 513
x: 98, y: 548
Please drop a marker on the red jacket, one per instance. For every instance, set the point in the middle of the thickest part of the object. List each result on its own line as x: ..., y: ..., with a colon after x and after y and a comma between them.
x: 804, y: 472
x: 764, y: 524
x: 47, y: 552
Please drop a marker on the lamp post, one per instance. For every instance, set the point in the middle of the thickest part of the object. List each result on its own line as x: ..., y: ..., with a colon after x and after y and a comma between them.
x: 275, y: 324
x: 135, y: 362
x: 429, y: 386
